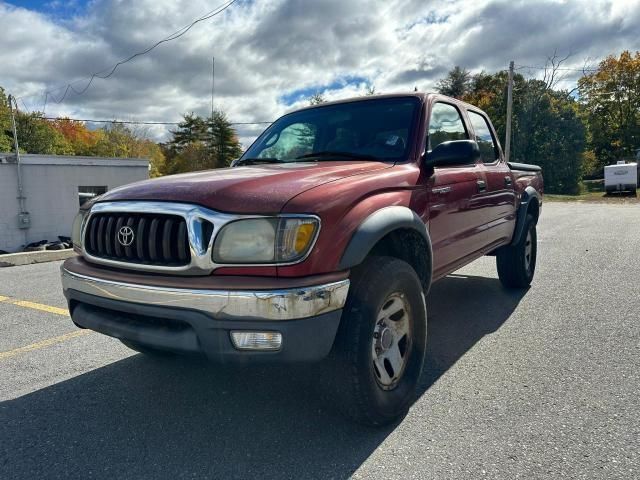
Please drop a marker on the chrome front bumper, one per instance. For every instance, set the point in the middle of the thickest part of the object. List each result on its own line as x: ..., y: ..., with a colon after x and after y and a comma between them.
x: 289, y: 304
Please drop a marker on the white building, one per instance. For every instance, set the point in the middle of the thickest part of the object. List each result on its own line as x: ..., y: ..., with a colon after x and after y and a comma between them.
x: 53, y: 188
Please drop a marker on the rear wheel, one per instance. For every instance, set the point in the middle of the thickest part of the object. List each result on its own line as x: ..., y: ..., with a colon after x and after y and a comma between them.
x: 381, y: 342
x: 517, y: 263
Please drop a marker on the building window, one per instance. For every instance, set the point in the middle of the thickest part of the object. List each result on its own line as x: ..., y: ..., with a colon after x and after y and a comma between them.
x: 87, y: 193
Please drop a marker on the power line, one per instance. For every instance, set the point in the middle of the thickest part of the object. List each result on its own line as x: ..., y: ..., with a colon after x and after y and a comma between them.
x: 136, y: 122
x: 179, y: 33
x: 541, y: 67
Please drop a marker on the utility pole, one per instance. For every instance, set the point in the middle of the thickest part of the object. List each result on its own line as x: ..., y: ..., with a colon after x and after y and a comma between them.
x: 507, y: 140
x: 23, y: 215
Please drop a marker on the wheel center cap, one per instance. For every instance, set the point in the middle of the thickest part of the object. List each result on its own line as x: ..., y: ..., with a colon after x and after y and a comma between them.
x: 386, y: 338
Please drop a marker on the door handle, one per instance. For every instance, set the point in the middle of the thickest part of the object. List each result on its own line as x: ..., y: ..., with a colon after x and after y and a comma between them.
x: 482, y: 186
x: 507, y: 181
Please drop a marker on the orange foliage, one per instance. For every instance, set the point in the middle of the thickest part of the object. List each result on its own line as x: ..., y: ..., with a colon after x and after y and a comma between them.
x: 81, y: 138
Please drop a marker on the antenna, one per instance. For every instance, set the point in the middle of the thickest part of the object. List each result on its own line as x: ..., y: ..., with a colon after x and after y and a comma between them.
x: 213, y: 81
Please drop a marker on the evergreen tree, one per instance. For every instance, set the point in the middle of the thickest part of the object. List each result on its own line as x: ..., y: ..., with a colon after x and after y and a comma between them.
x: 223, y: 142
x: 200, y: 144
x: 456, y: 84
x: 192, y: 129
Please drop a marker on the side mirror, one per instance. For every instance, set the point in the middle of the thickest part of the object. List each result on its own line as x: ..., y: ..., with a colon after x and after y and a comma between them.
x: 455, y: 152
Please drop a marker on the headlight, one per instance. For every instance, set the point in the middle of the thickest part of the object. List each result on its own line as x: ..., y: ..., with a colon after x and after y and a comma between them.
x: 265, y: 240
x: 76, y: 230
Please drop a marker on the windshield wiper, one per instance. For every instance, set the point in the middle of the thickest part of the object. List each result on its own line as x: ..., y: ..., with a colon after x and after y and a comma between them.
x: 327, y: 154
x: 256, y: 160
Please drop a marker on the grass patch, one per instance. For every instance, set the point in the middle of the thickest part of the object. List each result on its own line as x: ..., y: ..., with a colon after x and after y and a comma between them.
x: 593, y: 191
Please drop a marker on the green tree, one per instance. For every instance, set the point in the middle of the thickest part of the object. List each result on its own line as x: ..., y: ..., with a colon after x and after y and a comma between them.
x: 200, y: 144
x: 223, y: 143
x: 611, y: 97
x: 547, y: 126
x: 192, y: 129
x: 6, y: 136
x: 456, y: 84
x: 37, y: 135
x: 192, y: 157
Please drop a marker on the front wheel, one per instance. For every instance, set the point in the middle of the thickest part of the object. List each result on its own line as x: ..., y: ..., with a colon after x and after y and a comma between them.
x: 381, y: 342
x: 517, y: 263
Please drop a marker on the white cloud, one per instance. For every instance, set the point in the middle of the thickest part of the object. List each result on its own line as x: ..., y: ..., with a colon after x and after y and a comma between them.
x: 266, y: 50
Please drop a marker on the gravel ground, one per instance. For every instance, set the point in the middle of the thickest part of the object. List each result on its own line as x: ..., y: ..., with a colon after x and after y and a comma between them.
x: 534, y: 384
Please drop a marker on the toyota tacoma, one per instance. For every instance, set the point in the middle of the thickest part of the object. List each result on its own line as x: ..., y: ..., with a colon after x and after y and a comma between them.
x: 319, y: 243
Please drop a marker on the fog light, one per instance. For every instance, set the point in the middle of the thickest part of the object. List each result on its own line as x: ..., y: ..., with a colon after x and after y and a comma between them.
x: 256, y: 340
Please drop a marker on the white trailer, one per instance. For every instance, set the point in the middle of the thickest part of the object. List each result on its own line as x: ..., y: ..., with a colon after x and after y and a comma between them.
x: 621, y: 177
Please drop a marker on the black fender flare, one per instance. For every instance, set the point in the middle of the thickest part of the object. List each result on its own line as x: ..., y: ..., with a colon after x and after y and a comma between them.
x: 376, y: 226
x: 527, y: 198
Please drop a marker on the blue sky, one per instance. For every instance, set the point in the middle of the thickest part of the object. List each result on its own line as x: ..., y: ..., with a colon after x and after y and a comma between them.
x: 53, y: 8
x: 300, y: 94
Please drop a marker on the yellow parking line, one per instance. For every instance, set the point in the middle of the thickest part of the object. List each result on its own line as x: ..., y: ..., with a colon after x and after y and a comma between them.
x: 36, y: 306
x: 40, y: 306
x: 43, y: 343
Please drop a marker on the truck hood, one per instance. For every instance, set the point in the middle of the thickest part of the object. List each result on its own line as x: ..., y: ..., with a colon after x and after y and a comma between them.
x: 249, y: 189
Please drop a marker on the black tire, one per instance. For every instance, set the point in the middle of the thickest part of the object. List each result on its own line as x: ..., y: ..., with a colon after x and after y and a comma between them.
x: 358, y: 385
x: 517, y: 263
x: 149, y: 351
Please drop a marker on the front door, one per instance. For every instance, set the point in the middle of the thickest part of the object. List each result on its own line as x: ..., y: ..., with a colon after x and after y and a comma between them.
x: 499, y: 200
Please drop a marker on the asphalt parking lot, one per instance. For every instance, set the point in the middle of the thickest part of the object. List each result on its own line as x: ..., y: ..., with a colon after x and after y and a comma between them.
x: 542, y: 383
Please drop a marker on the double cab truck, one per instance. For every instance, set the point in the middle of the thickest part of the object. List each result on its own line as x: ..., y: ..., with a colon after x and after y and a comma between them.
x: 319, y: 244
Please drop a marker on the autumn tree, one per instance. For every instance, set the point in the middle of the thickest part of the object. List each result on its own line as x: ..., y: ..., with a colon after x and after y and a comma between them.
x: 82, y: 140
x: 119, y: 140
x: 611, y: 97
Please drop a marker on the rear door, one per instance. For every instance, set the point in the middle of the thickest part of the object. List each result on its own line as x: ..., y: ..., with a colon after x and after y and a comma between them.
x: 498, y: 203
x: 455, y: 229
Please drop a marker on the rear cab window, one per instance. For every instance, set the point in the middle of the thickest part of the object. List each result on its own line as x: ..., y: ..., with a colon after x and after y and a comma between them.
x: 484, y: 137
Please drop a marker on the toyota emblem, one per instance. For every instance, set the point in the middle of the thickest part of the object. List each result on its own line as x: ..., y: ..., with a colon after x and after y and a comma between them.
x: 125, y: 236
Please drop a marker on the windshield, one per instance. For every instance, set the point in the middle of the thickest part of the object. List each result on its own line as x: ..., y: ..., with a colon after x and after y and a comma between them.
x: 376, y: 129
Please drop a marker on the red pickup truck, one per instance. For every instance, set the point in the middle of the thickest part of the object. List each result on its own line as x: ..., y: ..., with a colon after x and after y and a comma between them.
x: 320, y: 242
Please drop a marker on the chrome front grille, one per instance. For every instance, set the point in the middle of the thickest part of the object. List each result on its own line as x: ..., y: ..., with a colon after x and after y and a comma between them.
x: 168, y: 237
x: 141, y: 238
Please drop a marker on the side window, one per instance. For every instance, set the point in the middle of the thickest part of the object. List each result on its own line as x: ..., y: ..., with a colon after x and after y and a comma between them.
x: 488, y: 147
x: 291, y: 142
x: 445, y: 124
